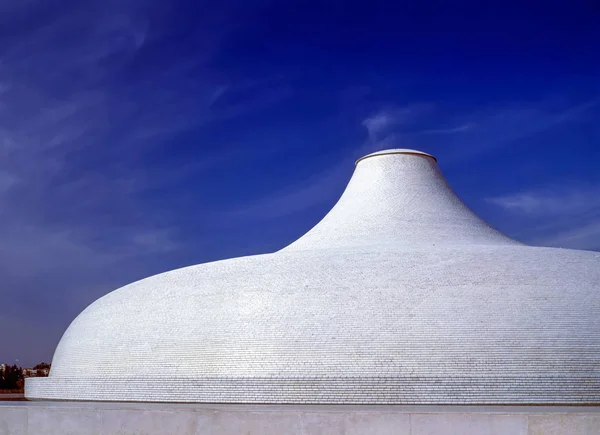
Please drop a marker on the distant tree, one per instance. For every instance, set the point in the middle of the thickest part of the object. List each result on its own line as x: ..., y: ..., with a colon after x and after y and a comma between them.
x: 42, y: 366
x: 12, y: 378
x: 42, y: 369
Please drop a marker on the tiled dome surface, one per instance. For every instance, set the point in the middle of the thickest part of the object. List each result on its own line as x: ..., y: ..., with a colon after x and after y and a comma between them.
x: 400, y: 295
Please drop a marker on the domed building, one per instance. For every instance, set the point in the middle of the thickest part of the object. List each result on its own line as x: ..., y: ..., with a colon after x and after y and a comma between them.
x: 400, y: 295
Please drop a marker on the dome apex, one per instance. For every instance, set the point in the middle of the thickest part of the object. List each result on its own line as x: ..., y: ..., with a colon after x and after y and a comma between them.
x: 400, y: 197
x: 396, y: 151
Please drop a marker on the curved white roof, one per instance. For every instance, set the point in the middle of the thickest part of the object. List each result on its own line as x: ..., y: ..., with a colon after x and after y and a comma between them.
x: 399, y: 295
x: 399, y: 197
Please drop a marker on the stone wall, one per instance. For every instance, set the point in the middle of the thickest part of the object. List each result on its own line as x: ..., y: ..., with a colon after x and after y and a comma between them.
x: 84, y: 418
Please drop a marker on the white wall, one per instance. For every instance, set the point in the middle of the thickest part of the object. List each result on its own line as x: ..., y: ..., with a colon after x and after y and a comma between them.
x: 122, y: 418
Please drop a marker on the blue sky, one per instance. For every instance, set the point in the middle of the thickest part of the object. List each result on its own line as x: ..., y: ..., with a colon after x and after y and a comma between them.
x: 142, y: 136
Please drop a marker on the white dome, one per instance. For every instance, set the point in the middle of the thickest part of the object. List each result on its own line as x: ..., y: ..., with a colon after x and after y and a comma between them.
x: 399, y: 295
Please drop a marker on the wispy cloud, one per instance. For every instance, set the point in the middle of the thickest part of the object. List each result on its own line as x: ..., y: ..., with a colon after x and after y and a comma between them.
x: 7, y: 180
x: 386, y: 128
x: 551, y: 201
x: 457, y: 136
x: 504, y: 126
x: 469, y: 134
x: 567, y: 217
x: 450, y: 130
x: 586, y: 236
x: 84, y: 126
x: 380, y: 122
x: 523, y: 120
x: 317, y: 189
x: 384, y: 121
x: 77, y: 147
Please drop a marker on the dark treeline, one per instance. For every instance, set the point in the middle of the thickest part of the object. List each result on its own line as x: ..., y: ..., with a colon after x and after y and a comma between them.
x: 11, y: 377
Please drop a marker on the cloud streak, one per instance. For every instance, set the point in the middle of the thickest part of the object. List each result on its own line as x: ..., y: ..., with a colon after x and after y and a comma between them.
x: 384, y: 121
x: 86, y: 120
x: 410, y: 126
x: 510, y: 125
x: 452, y: 130
x: 551, y: 201
x: 567, y: 217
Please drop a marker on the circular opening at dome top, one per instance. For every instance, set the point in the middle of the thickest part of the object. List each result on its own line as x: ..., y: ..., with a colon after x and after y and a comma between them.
x: 396, y: 151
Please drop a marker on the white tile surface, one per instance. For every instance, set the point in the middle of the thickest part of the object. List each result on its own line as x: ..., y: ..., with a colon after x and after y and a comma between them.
x: 400, y: 295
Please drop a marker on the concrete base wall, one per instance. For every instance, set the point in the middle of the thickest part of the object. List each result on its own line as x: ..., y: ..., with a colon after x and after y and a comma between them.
x: 83, y: 418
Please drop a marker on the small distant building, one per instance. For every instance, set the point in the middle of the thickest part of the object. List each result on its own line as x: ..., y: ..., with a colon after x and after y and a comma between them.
x: 33, y: 373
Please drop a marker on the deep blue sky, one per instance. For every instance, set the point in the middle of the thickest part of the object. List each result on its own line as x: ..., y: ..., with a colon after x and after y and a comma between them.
x: 137, y: 137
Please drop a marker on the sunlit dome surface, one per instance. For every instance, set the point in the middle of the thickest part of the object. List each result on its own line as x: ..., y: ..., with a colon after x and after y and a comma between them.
x: 399, y: 295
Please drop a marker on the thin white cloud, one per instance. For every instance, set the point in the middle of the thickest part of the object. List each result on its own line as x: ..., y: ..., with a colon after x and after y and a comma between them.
x: 379, y: 122
x: 329, y: 183
x: 452, y: 130
x: 7, y: 180
x: 384, y: 121
x: 471, y: 134
x: 586, y: 236
x: 80, y: 145
x: 317, y: 189
x: 567, y: 217
x: 326, y: 184
x: 74, y: 144
x: 505, y: 126
x: 551, y: 201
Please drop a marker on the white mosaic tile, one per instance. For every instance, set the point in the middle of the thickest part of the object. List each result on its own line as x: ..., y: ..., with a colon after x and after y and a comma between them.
x: 400, y: 295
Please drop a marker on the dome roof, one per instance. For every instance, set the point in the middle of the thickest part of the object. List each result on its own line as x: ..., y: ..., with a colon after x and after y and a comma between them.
x: 400, y: 295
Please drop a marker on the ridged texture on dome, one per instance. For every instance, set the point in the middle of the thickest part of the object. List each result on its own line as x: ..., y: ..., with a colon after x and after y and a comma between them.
x: 400, y: 295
